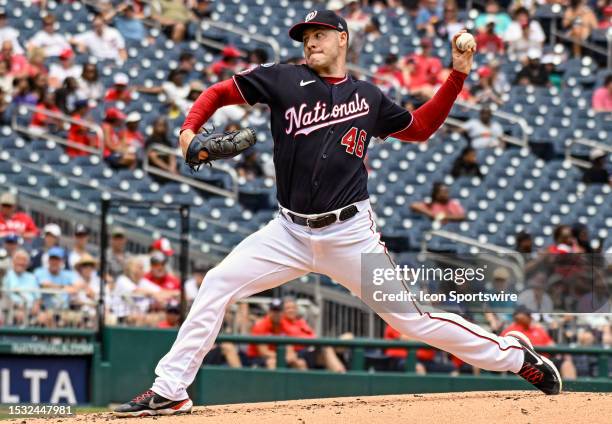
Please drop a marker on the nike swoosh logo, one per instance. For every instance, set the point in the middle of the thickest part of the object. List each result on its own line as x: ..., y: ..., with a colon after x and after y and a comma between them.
x: 305, y: 83
x: 540, y: 362
x: 155, y: 405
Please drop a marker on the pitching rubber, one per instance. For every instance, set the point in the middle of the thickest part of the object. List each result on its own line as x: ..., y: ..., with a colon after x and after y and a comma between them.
x: 524, y: 338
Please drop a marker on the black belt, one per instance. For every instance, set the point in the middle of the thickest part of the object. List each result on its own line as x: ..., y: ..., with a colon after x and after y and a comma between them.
x: 325, y: 220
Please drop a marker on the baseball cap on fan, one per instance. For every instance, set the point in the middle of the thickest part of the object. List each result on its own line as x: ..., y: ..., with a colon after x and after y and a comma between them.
x: 326, y: 18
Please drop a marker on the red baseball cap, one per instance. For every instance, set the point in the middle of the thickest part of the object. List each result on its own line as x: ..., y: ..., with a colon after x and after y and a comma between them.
x: 484, y: 72
x: 66, y: 54
x: 114, y: 114
x: 163, y: 245
x: 230, y: 51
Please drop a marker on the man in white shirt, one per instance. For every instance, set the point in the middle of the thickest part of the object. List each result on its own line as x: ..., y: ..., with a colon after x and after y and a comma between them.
x: 58, y: 72
x: 103, y: 42
x: 484, y: 132
x: 50, y: 41
x: 8, y: 33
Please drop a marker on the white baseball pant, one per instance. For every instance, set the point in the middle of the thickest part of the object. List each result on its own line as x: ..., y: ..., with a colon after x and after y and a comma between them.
x: 283, y: 251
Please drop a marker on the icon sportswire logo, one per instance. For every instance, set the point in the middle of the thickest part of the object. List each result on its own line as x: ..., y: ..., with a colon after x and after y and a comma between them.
x: 305, y: 121
x: 305, y: 83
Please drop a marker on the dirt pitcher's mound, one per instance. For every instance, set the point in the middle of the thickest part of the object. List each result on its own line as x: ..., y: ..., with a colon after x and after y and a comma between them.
x: 471, y: 407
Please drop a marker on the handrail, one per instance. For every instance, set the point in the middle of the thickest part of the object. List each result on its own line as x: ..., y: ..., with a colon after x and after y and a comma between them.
x: 465, y: 240
x: 586, y: 44
x: 149, y: 168
x: 507, y: 138
x: 585, y: 142
x: 515, y: 119
x: 226, y: 26
x: 66, y: 119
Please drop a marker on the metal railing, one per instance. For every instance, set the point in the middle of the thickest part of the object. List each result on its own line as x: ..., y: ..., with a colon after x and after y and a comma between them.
x: 225, y: 26
x: 217, y: 166
x: 66, y: 119
x: 607, y: 52
x: 584, y: 142
x: 359, y: 346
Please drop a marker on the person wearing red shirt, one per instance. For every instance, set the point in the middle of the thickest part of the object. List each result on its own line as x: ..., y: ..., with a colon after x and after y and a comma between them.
x: 133, y: 136
x: 441, y: 207
x: 120, y: 90
x: 159, y: 274
x: 41, y: 122
x: 295, y: 326
x: 487, y: 41
x: 399, y: 355
x: 230, y: 61
x: 426, y: 66
x: 173, y: 315
x: 392, y: 73
x: 523, y: 323
x: 18, y: 62
x: 13, y: 222
x: 272, y: 325
x: 79, y: 134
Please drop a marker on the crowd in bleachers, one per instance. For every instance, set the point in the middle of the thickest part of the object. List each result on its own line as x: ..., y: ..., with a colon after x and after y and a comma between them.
x: 92, y: 70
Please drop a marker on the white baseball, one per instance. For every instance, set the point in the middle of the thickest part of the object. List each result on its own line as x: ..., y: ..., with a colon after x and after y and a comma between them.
x: 465, y: 42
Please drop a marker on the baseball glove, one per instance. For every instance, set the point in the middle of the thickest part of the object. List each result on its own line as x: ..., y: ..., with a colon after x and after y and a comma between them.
x: 218, y: 146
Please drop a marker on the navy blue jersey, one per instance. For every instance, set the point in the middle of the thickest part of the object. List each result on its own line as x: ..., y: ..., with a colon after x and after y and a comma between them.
x: 321, y: 133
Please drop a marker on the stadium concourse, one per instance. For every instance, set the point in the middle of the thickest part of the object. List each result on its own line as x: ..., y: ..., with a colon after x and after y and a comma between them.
x: 522, y: 165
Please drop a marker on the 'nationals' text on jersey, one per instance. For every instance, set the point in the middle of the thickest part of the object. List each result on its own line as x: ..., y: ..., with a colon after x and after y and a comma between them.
x: 321, y: 133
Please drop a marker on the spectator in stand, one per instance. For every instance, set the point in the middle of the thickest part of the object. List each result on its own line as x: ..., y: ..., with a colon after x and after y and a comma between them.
x: 466, y: 164
x: 54, y: 275
x: 258, y: 56
x: 175, y: 88
x: 22, y: 92
x: 66, y: 96
x: 534, y: 72
x: 398, y: 355
x: 602, y: 96
x: 563, y: 240
x: 52, y: 43
x: 579, y: 21
x: 230, y: 62
x: 5, y: 109
x: 202, y: 9
x: 80, y: 134
x: 51, y: 238
x: 392, y: 73
x: 524, y: 34
x: 90, y: 88
x: 160, y: 275
x: 172, y: 316
x: 535, y: 297
x: 128, y: 22
x: 296, y: 326
x: 193, y: 284
x: 582, y: 240
x: 102, y: 42
x: 163, y: 245
x: 120, y: 90
x: 272, y: 324
x: 427, y: 68
x: 173, y: 16
x: 8, y: 33
x: 484, y: 132
x: 498, y: 77
x: 58, y: 72
x: 487, y: 41
x: 132, y: 134
x: 87, y: 282
x: 450, y: 25
x: 586, y: 365
x: 36, y: 64
x: 117, y: 152
x: 429, y: 16
x: 165, y: 161
x: 249, y: 166
x: 116, y: 253
x: 18, y: 62
x: 597, y: 173
x: 358, y: 22
x: 187, y: 63
x: 41, y: 121
x: 79, y: 248
x: 13, y: 222
x: 605, y: 14
x: 500, y: 19
x: 441, y: 207
x: 484, y: 92
x: 6, y: 79
x: 18, y: 278
x: 11, y: 244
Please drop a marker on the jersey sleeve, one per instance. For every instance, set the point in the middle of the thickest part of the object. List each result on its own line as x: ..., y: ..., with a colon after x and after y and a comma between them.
x: 391, y: 118
x: 259, y: 84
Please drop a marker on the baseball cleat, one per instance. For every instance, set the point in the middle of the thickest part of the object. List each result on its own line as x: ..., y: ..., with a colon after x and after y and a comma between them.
x: 537, y: 369
x: 150, y: 403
